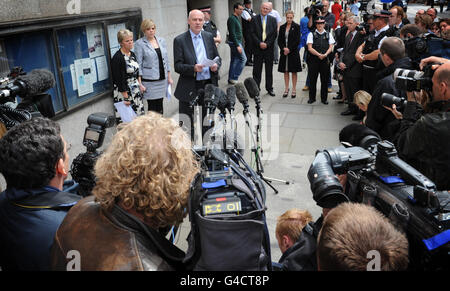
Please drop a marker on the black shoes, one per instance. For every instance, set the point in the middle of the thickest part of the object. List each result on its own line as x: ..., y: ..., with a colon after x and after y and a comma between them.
x: 271, y: 93
x: 325, y: 102
x: 311, y: 101
x: 348, y: 112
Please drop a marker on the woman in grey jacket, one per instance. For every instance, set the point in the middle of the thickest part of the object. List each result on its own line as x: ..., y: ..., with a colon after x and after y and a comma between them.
x: 154, y: 66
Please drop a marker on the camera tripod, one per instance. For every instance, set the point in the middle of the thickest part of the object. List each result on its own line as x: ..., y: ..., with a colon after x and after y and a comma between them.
x: 257, y: 149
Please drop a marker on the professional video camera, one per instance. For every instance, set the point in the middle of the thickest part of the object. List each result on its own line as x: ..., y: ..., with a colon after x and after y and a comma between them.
x: 420, y: 47
x: 411, y: 80
x: 226, y: 206
x: 315, y: 9
x: 30, y: 88
x: 82, y: 169
x: 363, y: 27
x: 377, y: 176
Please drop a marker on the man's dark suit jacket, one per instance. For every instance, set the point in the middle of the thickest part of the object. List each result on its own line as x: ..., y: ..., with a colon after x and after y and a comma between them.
x: 271, y: 32
x: 354, y: 69
x: 185, y: 60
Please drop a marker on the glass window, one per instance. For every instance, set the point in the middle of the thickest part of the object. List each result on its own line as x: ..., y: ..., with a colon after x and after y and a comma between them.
x: 34, y: 51
x: 84, y: 62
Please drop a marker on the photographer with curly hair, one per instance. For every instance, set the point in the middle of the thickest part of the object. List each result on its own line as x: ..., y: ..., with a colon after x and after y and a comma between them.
x: 35, y: 163
x: 142, y: 190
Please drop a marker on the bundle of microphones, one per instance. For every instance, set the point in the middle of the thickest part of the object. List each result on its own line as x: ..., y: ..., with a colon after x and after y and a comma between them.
x: 214, y: 97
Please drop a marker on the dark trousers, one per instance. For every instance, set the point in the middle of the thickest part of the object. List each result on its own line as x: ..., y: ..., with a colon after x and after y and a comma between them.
x: 248, y: 47
x: 156, y: 105
x: 316, y: 67
x: 266, y: 57
x: 185, y: 109
x: 368, y: 80
x: 352, y: 85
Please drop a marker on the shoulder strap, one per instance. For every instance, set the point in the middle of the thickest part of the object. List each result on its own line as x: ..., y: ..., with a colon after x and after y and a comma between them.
x: 49, y: 200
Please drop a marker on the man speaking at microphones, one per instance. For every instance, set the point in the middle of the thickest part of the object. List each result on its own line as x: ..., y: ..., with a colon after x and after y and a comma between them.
x: 192, y: 49
x: 34, y: 161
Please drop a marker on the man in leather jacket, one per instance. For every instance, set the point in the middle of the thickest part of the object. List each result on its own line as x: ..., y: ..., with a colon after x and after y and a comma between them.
x: 34, y: 160
x: 142, y: 190
x: 424, y: 139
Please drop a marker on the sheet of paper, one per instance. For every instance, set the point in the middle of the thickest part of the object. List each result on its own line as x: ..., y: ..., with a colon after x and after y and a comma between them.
x: 94, y: 71
x: 126, y: 112
x: 207, y: 63
x: 83, y: 71
x: 94, y: 35
x: 102, y: 68
x: 74, y: 77
x: 169, y: 91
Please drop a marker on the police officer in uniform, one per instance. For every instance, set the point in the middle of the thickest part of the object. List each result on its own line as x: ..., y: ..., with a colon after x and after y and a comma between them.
x: 210, y: 26
x: 320, y: 47
x: 247, y: 17
x: 368, y: 52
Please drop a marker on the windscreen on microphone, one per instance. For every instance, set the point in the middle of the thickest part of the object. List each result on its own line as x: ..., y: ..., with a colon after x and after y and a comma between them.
x: 209, y: 93
x: 231, y: 96
x: 241, y: 93
x: 201, y: 93
x: 252, y: 88
x: 37, y: 81
x: 222, y: 100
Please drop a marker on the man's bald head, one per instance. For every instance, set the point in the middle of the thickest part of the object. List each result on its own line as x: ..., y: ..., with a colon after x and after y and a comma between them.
x: 441, y: 83
x: 196, y: 20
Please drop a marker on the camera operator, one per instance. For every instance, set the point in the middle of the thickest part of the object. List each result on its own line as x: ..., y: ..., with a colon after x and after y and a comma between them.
x: 142, y: 190
x: 34, y: 161
x: 321, y: 9
x: 351, y: 231
x: 367, y: 53
x: 424, y: 139
x: 380, y: 119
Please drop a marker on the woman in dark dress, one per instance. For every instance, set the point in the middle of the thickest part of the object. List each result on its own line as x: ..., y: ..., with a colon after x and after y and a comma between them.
x: 288, y: 41
x: 125, y: 73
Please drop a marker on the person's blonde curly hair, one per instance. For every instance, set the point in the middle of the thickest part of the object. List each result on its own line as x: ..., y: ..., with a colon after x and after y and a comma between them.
x: 147, y: 168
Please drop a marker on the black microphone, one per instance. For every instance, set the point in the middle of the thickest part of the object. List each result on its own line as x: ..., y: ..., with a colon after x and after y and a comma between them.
x: 200, y: 94
x: 242, y: 96
x: 223, y: 100
x: 36, y: 82
x: 210, y: 97
x: 252, y: 89
x: 231, y: 96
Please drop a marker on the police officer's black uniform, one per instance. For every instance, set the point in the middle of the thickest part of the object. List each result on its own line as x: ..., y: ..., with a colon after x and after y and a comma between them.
x: 316, y: 66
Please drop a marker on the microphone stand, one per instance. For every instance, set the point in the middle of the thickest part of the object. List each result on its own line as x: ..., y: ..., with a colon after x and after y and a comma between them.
x: 259, y: 166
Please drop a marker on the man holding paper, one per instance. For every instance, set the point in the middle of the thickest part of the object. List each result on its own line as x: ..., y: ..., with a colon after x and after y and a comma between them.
x: 193, y: 51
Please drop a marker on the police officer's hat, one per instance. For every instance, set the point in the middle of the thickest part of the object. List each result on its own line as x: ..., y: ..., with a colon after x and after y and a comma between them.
x: 247, y: 2
x: 320, y: 19
x: 381, y: 13
x: 206, y: 9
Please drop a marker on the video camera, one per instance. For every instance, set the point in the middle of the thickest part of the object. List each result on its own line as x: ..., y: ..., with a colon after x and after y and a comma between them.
x: 363, y: 27
x: 315, y: 9
x: 411, y: 80
x: 377, y: 176
x: 30, y: 88
x: 82, y: 169
x: 420, y: 47
x: 388, y: 100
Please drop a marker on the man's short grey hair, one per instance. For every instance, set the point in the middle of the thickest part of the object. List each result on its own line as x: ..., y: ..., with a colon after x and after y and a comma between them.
x: 355, y: 19
x: 393, y: 47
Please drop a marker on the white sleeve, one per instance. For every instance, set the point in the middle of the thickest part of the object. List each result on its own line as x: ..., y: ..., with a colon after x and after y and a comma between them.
x: 381, y: 41
x: 310, y: 38
x: 331, y: 40
x: 245, y: 15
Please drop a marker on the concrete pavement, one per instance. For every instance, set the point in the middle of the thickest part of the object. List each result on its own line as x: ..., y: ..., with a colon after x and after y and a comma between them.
x: 290, y: 146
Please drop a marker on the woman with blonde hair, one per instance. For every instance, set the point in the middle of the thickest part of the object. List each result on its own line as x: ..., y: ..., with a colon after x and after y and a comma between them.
x: 362, y: 100
x: 142, y: 190
x: 154, y: 66
x: 125, y: 74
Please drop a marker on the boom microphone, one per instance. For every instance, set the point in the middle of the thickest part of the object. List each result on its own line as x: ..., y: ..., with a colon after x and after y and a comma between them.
x: 37, y: 81
x: 252, y: 88
x: 200, y: 95
x: 211, y: 99
x: 222, y: 100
